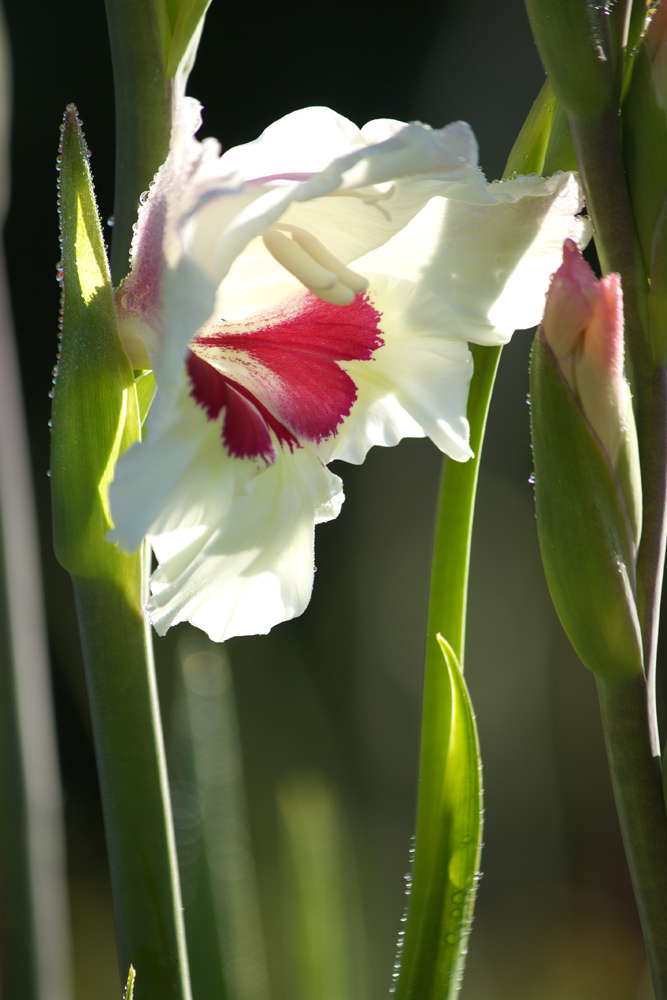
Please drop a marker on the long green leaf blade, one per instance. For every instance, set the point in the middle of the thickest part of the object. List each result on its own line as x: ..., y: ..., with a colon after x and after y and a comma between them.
x: 446, y: 864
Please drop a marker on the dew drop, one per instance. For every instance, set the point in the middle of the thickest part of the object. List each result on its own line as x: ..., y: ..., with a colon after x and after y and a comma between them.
x: 531, y: 479
x: 111, y: 221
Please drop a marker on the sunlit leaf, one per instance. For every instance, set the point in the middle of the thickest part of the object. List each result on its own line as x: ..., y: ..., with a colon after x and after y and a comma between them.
x: 446, y: 864
x: 95, y: 415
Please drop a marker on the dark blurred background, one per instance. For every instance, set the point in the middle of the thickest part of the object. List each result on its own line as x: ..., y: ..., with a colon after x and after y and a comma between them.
x: 338, y: 692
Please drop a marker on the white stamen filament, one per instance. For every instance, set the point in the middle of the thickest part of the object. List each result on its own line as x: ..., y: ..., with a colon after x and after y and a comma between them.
x: 317, y: 250
x: 313, y: 265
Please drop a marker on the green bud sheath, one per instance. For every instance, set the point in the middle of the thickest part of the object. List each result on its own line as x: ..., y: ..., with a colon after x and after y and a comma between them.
x: 95, y: 413
x: 584, y: 528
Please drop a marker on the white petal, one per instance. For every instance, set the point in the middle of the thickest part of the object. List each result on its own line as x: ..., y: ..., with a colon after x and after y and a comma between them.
x: 253, y: 569
x: 417, y: 382
x: 303, y: 142
x: 491, y: 260
x: 378, y: 187
x: 164, y: 482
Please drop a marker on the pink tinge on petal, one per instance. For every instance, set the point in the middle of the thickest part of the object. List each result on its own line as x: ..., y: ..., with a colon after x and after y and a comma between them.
x: 247, y: 423
x: 292, y: 361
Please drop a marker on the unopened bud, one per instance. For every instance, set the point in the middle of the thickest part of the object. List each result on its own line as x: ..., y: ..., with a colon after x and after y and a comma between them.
x: 587, y: 476
x: 583, y: 325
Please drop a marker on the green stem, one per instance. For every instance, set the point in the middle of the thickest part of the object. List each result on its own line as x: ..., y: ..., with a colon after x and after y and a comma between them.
x: 135, y: 795
x: 636, y: 779
x: 597, y: 146
x: 453, y: 527
x: 139, y: 36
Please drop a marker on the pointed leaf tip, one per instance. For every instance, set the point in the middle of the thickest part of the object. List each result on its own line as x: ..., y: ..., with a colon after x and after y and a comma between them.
x: 128, y: 992
x: 447, y: 850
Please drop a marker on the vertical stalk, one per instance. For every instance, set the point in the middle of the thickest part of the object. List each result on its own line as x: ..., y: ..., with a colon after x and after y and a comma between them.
x: 140, y: 37
x: 453, y: 527
x: 636, y: 779
x: 135, y: 796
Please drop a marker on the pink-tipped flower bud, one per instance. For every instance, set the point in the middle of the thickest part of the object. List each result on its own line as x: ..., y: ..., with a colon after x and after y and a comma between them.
x: 583, y: 326
x: 587, y: 472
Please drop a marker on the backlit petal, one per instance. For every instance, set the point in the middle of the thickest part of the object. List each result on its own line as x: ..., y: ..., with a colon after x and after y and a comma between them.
x: 254, y: 568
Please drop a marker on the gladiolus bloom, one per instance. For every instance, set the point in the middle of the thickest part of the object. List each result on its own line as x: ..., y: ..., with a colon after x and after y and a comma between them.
x: 300, y: 299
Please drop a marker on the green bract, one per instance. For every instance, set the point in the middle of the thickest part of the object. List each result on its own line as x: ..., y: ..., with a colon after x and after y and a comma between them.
x: 95, y: 413
x: 584, y: 525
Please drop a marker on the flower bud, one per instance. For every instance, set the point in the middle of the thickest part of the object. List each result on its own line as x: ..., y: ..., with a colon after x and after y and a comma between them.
x: 583, y: 325
x: 587, y: 477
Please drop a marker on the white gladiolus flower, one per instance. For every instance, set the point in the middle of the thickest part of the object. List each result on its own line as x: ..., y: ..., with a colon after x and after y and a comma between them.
x: 300, y: 299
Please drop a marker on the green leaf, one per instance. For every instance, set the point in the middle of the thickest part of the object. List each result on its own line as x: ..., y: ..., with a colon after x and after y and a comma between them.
x: 583, y: 526
x: 560, y: 153
x: 528, y: 152
x: 446, y: 864
x: 187, y: 30
x: 145, y: 386
x: 544, y: 144
x: 128, y: 992
x: 95, y: 415
x: 575, y: 43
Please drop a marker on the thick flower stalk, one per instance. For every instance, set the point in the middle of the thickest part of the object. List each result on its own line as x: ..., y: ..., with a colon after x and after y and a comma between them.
x: 300, y: 299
